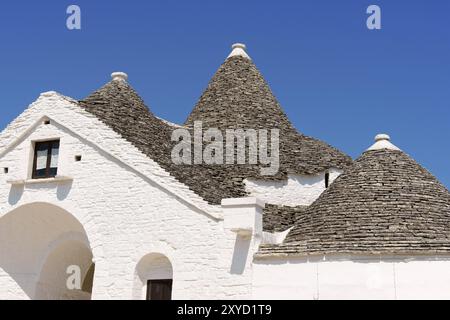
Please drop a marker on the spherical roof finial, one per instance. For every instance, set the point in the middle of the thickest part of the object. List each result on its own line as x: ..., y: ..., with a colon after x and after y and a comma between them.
x: 382, y: 136
x: 119, y: 76
x: 383, y: 141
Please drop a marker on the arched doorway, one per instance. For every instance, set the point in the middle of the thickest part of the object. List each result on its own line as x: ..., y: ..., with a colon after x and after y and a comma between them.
x: 41, y: 247
x: 153, y: 278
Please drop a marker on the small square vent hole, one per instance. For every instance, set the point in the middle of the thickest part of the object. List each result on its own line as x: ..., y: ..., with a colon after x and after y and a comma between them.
x: 46, y: 122
x: 77, y: 158
x: 6, y: 170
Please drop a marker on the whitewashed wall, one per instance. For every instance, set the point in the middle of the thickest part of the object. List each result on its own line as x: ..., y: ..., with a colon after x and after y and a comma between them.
x: 353, y: 278
x: 127, y: 206
x: 297, y: 190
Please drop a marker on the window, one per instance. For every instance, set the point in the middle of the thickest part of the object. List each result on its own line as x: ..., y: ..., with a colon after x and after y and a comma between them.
x: 45, y: 159
x: 159, y: 290
x: 327, y: 180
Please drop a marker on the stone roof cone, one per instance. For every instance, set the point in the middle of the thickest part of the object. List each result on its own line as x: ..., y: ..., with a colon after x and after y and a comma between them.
x: 239, y: 97
x: 120, y: 107
x: 384, y: 203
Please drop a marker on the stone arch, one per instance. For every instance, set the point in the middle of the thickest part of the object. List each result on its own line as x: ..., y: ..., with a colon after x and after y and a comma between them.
x: 153, y: 266
x: 37, y: 242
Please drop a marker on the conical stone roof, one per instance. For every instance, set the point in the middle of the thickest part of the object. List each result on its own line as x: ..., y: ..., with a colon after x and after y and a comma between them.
x: 119, y: 106
x: 384, y: 203
x: 239, y: 97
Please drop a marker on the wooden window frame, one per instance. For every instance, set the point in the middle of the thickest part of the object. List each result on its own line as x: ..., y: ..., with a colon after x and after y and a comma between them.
x: 50, y: 145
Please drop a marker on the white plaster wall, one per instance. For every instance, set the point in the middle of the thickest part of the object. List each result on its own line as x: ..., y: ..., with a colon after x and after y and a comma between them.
x: 128, y: 206
x: 352, y: 278
x: 297, y: 190
x: 274, y: 237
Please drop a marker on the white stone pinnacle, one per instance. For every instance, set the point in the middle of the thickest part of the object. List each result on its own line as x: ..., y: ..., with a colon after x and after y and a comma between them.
x: 383, y: 141
x: 119, y: 76
x: 239, y: 50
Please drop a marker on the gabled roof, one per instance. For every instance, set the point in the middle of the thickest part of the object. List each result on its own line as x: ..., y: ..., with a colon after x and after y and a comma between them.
x: 239, y: 97
x: 66, y: 114
x: 384, y: 203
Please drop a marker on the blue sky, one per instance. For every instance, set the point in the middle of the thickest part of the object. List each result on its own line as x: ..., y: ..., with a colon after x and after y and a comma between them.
x: 337, y: 80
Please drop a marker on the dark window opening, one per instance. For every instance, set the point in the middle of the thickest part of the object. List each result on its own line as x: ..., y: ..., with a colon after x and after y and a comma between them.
x: 327, y: 180
x: 46, y: 122
x: 77, y: 158
x: 46, y: 156
x: 159, y: 290
x: 6, y: 170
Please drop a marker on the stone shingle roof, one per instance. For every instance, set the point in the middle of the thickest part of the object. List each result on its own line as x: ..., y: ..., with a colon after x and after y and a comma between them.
x: 117, y: 105
x: 237, y: 97
x: 280, y: 218
x: 120, y: 107
x: 385, y: 203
